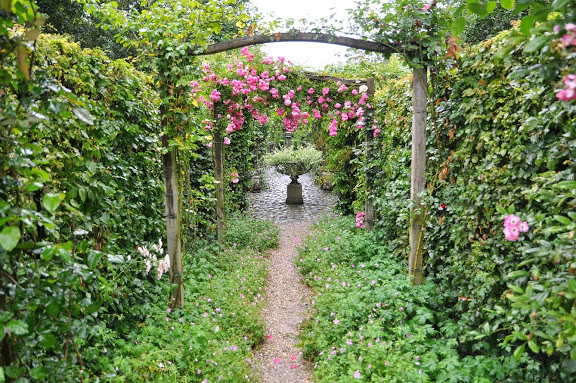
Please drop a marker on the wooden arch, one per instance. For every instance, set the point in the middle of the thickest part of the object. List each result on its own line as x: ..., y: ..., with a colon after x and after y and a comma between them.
x: 418, y: 162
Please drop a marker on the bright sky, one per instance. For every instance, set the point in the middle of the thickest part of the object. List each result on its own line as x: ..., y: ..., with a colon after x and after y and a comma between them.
x: 315, y: 55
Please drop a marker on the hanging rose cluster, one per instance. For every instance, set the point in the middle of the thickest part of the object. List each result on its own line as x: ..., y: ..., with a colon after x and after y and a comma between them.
x: 568, y: 41
x: 247, y: 86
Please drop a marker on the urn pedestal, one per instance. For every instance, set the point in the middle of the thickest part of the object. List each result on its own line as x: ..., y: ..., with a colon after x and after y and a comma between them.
x: 294, y: 192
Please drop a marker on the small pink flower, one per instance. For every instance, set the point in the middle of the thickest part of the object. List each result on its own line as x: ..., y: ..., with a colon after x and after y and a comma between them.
x: 215, y: 95
x: 293, y: 367
x: 336, y: 321
x: 226, y: 141
x: 357, y: 374
x: 277, y: 360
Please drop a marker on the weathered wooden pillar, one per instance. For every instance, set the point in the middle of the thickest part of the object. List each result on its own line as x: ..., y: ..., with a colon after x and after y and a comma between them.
x: 219, y: 177
x: 369, y: 203
x: 172, y: 200
x: 418, y: 171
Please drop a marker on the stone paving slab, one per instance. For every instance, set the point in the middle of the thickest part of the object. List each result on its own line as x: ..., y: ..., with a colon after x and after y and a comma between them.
x: 270, y: 203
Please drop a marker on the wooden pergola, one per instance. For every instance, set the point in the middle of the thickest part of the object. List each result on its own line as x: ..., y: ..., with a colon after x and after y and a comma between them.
x: 418, y: 162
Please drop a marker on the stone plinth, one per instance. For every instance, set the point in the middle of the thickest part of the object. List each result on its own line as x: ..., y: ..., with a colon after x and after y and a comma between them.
x: 294, y: 194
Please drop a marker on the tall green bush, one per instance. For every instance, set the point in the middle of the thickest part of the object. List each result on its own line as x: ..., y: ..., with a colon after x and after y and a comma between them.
x: 81, y: 175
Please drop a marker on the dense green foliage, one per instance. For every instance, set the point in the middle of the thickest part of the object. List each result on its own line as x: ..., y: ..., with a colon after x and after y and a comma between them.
x: 212, y: 338
x: 370, y: 323
x: 82, y: 189
x: 499, y: 142
x: 70, y: 222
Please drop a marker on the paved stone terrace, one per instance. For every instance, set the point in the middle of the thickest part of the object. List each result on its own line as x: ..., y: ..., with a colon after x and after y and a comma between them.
x: 270, y: 203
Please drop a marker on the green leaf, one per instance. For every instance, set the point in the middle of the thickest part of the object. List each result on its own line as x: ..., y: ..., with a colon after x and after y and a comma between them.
x: 41, y: 173
x: 533, y: 346
x: 519, y: 351
x: 507, y: 4
x: 563, y: 220
x: 51, y: 201
x: 115, y: 258
x: 93, y: 258
x: 38, y: 373
x: 490, y: 6
x: 518, y: 74
x: 458, y: 26
x: 47, y: 340
x: 9, y: 237
x: 33, y: 186
x: 84, y: 115
x: 566, y: 185
x: 2, y: 333
x: 535, y: 44
x: 474, y: 6
x: 526, y: 24
x: 53, y: 308
x: 17, y: 327
x: 517, y: 274
x: 519, y: 335
x: 63, y: 253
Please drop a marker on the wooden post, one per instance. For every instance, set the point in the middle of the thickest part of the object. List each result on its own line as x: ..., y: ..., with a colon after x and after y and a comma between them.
x: 219, y: 177
x: 369, y: 203
x: 418, y: 171
x: 171, y: 197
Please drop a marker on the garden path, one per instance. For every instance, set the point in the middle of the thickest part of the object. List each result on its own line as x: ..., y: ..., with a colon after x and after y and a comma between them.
x: 287, y: 300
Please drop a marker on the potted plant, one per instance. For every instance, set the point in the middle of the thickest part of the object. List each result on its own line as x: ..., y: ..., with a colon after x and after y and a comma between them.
x: 294, y: 163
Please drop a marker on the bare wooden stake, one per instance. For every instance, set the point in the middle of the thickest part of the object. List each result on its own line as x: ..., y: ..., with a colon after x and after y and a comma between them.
x: 219, y: 177
x: 173, y: 222
x: 418, y: 171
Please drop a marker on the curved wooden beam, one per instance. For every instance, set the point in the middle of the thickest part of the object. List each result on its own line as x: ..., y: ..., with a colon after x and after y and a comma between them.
x: 307, y: 37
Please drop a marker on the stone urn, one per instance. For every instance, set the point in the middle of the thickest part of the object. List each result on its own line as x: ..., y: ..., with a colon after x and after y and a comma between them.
x: 294, y: 163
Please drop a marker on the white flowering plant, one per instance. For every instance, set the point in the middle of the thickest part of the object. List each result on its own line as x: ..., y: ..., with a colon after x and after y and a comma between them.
x: 154, y: 258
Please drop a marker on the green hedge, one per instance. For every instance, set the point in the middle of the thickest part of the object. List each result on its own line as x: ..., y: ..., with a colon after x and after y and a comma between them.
x: 499, y: 142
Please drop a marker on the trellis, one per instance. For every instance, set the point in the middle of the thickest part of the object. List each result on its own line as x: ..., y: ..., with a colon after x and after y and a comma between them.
x: 418, y: 161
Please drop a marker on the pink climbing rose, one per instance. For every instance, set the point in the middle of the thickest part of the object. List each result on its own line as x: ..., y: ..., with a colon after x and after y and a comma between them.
x: 513, y: 226
x: 215, y: 95
x: 234, y: 178
x: 570, y: 92
x: 226, y: 141
x: 360, y: 219
x: 569, y: 38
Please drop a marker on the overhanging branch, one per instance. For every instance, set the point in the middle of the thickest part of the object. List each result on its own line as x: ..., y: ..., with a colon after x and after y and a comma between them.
x: 370, y: 46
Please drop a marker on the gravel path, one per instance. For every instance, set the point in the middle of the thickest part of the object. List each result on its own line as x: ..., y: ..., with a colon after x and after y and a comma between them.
x: 279, y: 361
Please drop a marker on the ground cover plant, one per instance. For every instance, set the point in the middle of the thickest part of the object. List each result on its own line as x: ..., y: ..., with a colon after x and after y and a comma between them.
x: 213, y: 336
x: 370, y: 324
